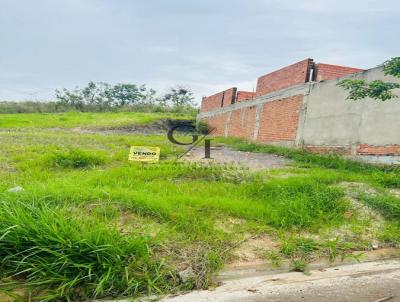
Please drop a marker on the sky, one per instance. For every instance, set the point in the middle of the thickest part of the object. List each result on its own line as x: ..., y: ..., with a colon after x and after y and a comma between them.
x: 205, y: 45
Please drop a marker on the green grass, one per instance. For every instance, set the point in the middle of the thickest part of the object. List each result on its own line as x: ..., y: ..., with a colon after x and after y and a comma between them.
x: 47, y: 246
x: 81, y: 119
x: 89, y: 224
x: 382, y: 175
x: 75, y: 158
x: 388, y: 206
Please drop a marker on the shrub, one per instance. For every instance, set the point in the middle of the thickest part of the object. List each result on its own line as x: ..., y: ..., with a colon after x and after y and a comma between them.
x: 76, y: 158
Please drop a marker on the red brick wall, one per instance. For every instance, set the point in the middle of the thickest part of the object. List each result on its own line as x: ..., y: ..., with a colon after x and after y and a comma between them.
x: 361, y: 149
x: 291, y: 75
x: 280, y: 119
x: 217, y: 122
x: 243, y: 122
x: 364, y: 149
x: 328, y: 71
x: 278, y: 122
x: 244, y: 95
x: 224, y: 98
x: 343, y: 150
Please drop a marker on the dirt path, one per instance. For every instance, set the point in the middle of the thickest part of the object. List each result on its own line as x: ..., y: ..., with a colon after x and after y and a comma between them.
x: 225, y: 155
x: 370, y: 282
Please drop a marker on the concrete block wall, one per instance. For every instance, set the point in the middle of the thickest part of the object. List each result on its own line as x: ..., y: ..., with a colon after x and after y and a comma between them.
x: 312, y: 115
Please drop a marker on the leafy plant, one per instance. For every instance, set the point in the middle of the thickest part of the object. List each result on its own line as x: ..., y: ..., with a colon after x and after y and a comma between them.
x: 178, y: 96
x: 378, y: 89
x: 299, y: 265
x: 274, y: 257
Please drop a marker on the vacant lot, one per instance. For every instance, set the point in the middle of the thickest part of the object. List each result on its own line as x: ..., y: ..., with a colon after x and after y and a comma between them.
x: 80, y: 221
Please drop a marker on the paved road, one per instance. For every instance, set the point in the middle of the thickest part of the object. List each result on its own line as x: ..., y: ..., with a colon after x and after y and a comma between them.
x: 370, y: 281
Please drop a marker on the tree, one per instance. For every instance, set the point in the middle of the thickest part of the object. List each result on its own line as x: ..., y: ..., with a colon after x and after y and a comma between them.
x: 102, y: 95
x: 71, y: 98
x: 130, y: 94
x: 178, y: 97
x: 378, y: 89
x: 95, y: 94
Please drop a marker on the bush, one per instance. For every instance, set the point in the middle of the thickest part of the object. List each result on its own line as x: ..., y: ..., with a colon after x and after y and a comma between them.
x: 76, y: 158
x: 33, y: 107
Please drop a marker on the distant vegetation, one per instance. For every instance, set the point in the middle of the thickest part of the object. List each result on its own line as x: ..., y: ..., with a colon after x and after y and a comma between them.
x: 104, y: 97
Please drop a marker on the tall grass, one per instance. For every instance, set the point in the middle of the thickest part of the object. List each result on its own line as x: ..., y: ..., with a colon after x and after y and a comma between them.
x: 61, y: 256
x: 299, y: 202
x: 387, y: 205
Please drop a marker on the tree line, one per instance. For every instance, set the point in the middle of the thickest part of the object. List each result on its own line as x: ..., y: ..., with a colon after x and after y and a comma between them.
x: 101, y: 96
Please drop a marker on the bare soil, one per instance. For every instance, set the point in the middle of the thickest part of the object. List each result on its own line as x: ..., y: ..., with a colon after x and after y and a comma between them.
x: 250, y: 253
x: 157, y: 127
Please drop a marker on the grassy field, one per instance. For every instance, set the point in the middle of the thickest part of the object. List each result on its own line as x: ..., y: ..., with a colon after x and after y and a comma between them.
x: 90, y: 224
x: 81, y: 119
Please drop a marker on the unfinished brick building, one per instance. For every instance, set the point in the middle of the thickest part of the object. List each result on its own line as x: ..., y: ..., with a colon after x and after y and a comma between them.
x: 301, y: 106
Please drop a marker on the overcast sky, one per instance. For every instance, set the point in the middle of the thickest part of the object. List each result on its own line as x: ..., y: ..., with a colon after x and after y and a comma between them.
x: 207, y: 45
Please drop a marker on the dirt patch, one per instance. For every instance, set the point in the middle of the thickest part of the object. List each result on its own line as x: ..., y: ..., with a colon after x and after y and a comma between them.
x: 157, y: 127
x: 395, y: 192
x: 374, y: 221
x: 352, y: 189
x: 130, y: 222
x: 229, y: 225
x: 7, y: 167
x: 13, y: 294
x: 251, y: 251
x: 225, y: 155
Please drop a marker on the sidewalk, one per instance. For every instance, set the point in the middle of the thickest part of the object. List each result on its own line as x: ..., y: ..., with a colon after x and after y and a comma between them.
x: 369, y: 281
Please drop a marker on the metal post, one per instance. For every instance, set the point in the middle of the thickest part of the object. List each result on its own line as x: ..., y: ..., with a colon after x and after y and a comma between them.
x: 207, y: 148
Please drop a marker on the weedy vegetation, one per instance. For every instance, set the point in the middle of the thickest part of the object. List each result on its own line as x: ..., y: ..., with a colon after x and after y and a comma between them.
x: 89, y: 224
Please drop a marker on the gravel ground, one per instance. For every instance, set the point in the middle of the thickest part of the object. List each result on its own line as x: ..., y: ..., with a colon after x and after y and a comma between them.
x: 224, y: 155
